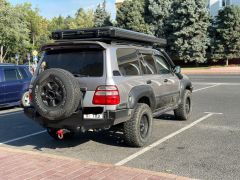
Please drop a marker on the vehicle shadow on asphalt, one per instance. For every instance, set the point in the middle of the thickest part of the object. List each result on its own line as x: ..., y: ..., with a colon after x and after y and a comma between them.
x: 107, y: 137
x: 112, y: 137
x: 166, y: 117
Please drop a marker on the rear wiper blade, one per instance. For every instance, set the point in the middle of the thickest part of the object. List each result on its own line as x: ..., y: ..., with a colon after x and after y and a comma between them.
x: 80, y: 75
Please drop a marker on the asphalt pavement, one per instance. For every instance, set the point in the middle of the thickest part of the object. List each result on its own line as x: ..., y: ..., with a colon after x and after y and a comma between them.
x: 204, y: 147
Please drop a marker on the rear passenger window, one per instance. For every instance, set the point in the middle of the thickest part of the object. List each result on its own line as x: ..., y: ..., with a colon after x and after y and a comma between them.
x: 24, y: 73
x: 128, y: 62
x: 11, y: 74
x: 162, y: 65
x: 148, y: 64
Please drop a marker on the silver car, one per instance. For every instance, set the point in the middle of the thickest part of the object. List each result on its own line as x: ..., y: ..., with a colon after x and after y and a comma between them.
x: 106, y: 77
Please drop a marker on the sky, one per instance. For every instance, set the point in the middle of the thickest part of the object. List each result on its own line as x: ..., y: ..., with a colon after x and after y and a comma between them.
x: 52, y: 8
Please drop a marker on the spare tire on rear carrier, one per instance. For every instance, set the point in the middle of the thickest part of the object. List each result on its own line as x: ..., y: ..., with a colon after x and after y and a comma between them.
x: 56, y: 94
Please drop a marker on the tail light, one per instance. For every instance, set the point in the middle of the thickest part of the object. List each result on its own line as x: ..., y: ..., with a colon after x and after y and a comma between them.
x: 30, y: 95
x: 106, y: 95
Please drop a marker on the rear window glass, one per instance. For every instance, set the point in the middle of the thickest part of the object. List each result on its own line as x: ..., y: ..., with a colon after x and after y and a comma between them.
x: 87, y: 63
x: 24, y: 73
x: 11, y: 74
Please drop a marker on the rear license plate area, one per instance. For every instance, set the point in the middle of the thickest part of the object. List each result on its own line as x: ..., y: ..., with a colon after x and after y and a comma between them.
x: 93, y: 116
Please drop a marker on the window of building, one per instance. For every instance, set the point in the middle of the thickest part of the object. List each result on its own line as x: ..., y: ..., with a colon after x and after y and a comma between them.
x: 226, y: 3
x: 223, y: 3
x: 128, y: 62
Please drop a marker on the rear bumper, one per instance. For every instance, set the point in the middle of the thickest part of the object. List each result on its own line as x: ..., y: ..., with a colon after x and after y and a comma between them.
x: 77, y: 123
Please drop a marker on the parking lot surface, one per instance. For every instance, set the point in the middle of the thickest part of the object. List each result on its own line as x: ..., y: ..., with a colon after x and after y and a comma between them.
x: 204, y: 147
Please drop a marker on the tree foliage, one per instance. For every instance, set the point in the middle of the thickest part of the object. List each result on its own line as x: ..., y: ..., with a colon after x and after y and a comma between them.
x: 57, y: 23
x: 131, y: 15
x: 37, y: 25
x: 83, y: 19
x: 101, y: 16
x: 184, y: 23
x: 158, y: 12
x: 226, y: 44
x: 14, y: 32
x: 187, y: 29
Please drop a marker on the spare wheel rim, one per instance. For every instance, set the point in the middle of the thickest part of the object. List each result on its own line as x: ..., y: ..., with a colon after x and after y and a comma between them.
x: 52, y: 93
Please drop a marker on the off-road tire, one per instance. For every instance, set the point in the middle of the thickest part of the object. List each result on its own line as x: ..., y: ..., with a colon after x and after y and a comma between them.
x: 183, y: 112
x: 71, y: 94
x: 53, y: 133
x: 132, y: 127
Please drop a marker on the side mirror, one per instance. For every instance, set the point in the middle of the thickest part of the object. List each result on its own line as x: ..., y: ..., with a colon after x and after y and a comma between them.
x: 177, y: 70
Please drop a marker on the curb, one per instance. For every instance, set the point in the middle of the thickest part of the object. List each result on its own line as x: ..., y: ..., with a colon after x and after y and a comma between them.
x: 108, y: 167
x: 210, y: 73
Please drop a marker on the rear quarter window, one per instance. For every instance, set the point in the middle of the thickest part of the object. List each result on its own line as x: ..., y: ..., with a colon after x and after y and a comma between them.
x: 24, y: 73
x: 128, y: 62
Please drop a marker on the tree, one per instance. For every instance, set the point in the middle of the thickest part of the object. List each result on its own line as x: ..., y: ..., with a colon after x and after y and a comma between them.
x: 158, y: 12
x: 227, y: 34
x: 131, y: 15
x: 101, y: 16
x: 37, y: 25
x: 14, y: 33
x: 68, y: 21
x: 57, y: 23
x: 83, y: 19
x: 187, y: 29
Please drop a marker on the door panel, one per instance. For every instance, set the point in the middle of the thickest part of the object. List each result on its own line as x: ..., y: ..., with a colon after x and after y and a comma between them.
x: 159, y: 89
x: 171, y: 84
x: 153, y: 79
x: 13, y: 85
x: 2, y: 94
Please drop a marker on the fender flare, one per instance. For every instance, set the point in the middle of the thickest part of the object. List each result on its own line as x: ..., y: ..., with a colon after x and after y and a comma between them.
x: 139, y: 92
x: 185, y: 84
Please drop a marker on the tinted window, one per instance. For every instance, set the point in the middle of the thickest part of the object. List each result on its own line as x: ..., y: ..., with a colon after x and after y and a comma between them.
x: 162, y: 65
x: 78, y: 62
x: 24, y: 73
x: 128, y: 62
x: 148, y: 64
x: 11, y: 74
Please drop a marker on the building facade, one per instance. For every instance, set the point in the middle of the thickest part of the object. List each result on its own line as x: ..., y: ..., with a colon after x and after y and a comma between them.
x: 215, y: 5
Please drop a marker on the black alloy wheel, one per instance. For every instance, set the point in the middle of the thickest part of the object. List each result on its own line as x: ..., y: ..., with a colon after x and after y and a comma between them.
x: 144, y: 126
x: 52, y: 93
x: 188, y: 106
x: 138, y: 129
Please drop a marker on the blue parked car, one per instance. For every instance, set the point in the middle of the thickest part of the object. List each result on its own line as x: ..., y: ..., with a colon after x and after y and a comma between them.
x: 14, y: 85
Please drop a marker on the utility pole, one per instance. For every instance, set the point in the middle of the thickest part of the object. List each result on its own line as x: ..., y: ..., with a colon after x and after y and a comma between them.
x: 17, y: 58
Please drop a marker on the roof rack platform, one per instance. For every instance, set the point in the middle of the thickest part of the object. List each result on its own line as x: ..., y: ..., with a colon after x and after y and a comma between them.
x: 108, y: 35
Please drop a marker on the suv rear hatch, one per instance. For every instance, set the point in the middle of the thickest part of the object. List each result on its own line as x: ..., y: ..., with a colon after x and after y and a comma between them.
x: 86, y: 62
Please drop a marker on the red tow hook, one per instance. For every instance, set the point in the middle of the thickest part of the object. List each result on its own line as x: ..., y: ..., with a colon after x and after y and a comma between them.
x: 61, y: 132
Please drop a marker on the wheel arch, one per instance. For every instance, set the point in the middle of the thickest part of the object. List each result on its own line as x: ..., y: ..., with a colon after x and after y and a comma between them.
x: 141, y: 94
x: 186, y: 84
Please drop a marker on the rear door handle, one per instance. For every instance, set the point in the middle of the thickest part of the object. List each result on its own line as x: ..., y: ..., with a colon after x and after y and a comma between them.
x: 149, y: 81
